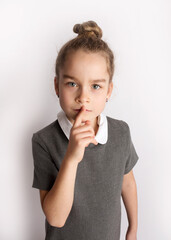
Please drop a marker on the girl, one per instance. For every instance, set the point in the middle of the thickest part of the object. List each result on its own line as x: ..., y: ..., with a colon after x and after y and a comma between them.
x: 83, y: 160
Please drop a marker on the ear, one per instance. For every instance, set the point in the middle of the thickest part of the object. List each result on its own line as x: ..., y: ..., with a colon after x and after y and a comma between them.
x: 110, y: 88
x: 56, y: 85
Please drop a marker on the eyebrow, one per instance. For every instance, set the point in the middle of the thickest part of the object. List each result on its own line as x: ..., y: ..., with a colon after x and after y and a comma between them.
x: 96, y: 80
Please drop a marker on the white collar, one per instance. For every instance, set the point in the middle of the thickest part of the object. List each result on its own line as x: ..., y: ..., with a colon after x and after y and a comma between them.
x: 102, y: 133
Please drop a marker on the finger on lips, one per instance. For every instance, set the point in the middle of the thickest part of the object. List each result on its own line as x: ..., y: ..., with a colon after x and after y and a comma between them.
x: 78, y: 121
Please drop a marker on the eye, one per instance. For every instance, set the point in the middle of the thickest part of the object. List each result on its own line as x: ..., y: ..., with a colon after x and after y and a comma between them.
x: 96, y: 85
x: 72, y: 85
x: 68, y: 83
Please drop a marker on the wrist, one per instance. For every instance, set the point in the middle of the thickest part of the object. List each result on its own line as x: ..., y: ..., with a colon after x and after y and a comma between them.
x: 70, y: 160
x: 132, y: 229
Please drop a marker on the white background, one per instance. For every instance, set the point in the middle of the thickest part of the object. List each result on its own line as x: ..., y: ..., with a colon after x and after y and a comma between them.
x: 31, y: 33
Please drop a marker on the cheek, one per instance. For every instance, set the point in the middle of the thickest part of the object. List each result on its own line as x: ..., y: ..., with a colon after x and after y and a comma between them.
x: 65, y: 97
x: 65, y: 91
x: 100, y: 96
x: 99, y: 102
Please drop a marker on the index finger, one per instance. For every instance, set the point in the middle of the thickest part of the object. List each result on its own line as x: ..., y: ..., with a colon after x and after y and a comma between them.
x: 79, y: 117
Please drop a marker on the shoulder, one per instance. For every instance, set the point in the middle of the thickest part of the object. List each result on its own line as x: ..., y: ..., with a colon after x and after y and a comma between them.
x: 45, y: 132
x: 118, y: 124
x: 118, y: 131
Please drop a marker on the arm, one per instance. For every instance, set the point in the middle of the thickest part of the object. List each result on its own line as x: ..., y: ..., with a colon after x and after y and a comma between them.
x: 129, y: 196
x: 58, y: 201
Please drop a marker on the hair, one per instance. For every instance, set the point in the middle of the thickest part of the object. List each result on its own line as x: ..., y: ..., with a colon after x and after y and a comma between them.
x: 89, y: 40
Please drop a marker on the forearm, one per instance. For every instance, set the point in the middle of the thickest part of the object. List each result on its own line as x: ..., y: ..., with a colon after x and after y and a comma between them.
x: 129, y: 196
x: 58, y: 202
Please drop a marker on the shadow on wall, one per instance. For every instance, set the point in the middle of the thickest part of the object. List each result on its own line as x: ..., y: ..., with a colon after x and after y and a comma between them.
x: 35, y: 218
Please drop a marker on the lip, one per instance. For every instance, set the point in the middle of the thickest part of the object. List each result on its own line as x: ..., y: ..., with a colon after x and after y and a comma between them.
x: 80, y: 109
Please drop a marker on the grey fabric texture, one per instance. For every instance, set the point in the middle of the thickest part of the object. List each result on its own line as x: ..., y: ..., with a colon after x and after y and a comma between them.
x: 96, y: 210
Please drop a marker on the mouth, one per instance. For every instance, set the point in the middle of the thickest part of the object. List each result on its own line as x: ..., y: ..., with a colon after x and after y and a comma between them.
x: 78, y: 110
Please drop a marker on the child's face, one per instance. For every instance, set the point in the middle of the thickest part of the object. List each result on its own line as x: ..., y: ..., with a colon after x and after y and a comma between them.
x: 81, y: 89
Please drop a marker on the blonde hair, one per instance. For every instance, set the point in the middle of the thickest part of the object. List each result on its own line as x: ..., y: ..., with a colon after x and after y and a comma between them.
x: 89, y: 40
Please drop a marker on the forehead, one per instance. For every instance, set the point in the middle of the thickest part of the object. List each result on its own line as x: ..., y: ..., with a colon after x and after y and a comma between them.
x: 81, y: 63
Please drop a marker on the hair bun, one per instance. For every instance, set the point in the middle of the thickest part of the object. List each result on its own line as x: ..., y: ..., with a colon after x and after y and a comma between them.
x: 88, y: 28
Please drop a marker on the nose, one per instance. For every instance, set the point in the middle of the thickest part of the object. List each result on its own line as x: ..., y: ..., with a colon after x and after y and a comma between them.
x: 83, y: 95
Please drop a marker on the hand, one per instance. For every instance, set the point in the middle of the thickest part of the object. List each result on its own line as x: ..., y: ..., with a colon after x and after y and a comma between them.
x: 131, y: 235
x: 80, y: 137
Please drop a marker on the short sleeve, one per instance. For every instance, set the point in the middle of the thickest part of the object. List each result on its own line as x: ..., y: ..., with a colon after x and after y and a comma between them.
x: 45, y: 171
x: 131, y: 156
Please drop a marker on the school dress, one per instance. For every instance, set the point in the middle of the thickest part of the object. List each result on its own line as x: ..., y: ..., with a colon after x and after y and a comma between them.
x: 96, y: 209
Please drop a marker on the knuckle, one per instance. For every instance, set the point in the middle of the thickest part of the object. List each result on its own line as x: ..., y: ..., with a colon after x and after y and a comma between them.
x: 90, y: 128
x: 92, y: 131
x: 73, y: 131
x: 92, y: 134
